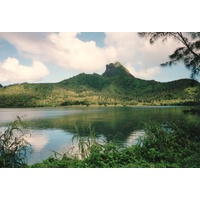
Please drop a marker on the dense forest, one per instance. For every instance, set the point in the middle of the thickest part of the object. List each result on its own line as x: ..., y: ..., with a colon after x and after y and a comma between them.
x: 116, y: 86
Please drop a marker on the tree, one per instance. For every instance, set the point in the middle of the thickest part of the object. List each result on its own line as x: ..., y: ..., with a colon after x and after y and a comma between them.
x: 189, y: 53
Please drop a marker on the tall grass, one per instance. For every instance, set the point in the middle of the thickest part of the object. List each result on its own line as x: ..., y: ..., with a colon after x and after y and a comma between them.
x: 176, y: 145
x: 82, y: 142
x: 13, y: 145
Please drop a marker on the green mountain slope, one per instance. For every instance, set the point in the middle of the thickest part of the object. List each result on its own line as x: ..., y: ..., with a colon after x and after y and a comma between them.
x: 115, y: 86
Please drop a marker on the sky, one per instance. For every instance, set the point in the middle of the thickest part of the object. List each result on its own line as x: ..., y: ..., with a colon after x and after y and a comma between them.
x: 38, y: 57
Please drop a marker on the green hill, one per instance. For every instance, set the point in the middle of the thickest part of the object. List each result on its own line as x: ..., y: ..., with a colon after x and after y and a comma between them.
x: 116, y: 86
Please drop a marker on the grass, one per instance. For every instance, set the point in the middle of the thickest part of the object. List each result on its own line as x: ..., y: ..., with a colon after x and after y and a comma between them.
x: 13, y: 146
x: 171, y: 145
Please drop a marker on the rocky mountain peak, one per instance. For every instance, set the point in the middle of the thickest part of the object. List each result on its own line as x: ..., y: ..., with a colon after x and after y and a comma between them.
x: 116, y: 69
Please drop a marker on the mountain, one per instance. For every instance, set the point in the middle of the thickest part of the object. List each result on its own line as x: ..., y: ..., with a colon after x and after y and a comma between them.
x: 116, y: 86
x: 116, y: 69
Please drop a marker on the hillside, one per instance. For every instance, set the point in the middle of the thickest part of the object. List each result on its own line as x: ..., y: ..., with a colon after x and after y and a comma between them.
x: 116, y: 86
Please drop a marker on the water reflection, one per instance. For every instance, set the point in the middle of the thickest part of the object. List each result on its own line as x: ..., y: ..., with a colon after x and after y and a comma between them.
x: 135, y: 137
x: 38, y: 141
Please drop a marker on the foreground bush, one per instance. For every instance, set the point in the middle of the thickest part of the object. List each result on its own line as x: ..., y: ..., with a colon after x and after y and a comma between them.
x: 172, y: 145
x: 163, y: 146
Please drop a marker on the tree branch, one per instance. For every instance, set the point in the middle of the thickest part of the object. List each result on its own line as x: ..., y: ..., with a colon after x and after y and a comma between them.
x: 186, y: 44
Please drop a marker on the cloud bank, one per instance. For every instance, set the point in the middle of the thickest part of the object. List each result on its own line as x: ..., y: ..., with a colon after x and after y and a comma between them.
x: 66, y: 50
x: 12, y: 71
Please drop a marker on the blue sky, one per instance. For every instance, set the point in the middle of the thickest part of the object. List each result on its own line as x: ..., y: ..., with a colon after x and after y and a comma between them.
x: 51, y: 57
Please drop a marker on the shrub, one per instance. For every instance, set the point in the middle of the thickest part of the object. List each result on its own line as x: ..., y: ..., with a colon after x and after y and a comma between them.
x: 176, y: 145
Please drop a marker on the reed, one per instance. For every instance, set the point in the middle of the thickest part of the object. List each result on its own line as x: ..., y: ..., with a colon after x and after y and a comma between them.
x: 13, y: 145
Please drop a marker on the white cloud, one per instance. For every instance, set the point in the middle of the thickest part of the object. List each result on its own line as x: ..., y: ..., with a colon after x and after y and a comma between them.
x: 12, y: 71
x: 137, y: 54
x: 145, y: 73
x: 62, y: 49
x: 69, y: 52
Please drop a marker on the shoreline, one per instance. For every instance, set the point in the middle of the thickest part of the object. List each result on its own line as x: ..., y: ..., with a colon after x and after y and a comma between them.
x: 111, y: 105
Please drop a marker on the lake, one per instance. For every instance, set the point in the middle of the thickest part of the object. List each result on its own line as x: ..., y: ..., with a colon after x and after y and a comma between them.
x: 52, y: 129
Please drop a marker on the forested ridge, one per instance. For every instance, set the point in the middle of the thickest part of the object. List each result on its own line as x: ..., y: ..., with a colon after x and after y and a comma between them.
x: 116, y: 86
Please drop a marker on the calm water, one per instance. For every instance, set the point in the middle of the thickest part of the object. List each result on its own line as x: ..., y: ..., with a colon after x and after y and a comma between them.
x: 54, y: 128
